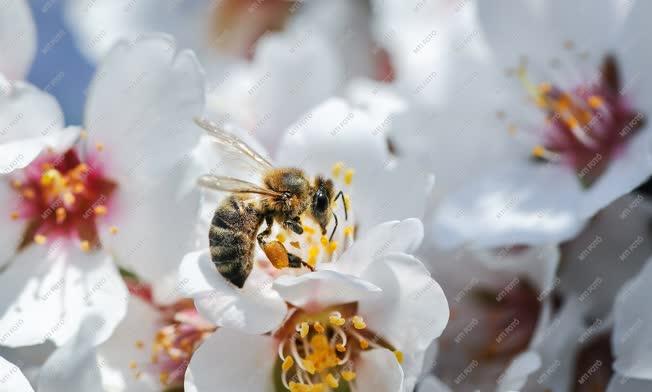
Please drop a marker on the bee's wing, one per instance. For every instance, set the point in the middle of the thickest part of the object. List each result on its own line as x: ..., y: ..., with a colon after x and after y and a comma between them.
x: 234, y: 185
x: 233, y: 147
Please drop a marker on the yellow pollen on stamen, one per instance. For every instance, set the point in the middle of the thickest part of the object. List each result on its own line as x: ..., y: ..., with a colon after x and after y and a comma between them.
x: 78, y: 188
x: 99, y: 147
x: 313, y: 252
x: 164, y: 378
x: 340, y: 347
x: 348, y: 375
x: 348, y: 176
x: 280, y: 237
x: 308, y: 229
x: 348, y: 231
x: 304, y: 328
x: 60, y: 214
x: 545, y: 88
x: 40, y: 239
x: 399, y: 356
x: 288, y: 362
x: 337, y: 169
x: 595, y: 102
x: 133, y: 365
x: 572, y: 122
x: 29, y: 193
x: 101, y: 210
x: 324, y: 241
x: 309, y: 365
x: 332, y: 247
x: 539, y: 151
x: 68, y: 199
x: 347, y: 202
x: 113, y: 230
x: 331, y: 381
x: 139, y: 344
x: 358, y: 322
x: 85, y: 246
x: 16, y: 183
x: 14, y: 215
x: 364, y: 344
x: 336, y: 319
x: 318, y: 327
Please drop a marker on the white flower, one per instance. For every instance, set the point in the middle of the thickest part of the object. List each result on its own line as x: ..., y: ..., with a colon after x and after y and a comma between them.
x: 632, y: 337
x: 372, y: 300
x: 17, y: 39
x: 118, y: 195
x: 12, y: 379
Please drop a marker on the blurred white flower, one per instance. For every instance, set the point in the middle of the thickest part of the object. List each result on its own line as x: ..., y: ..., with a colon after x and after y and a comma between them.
x: 12, y: 378
x: 71, y: 215
x: 17, y: 39
x: 354, y: 318
x: 576, y: 111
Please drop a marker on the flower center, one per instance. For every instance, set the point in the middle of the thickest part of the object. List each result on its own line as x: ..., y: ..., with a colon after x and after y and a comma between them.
x: 61, y: 196
x: 174, y: 343
x: 318, y: 351
x: 586, y: 126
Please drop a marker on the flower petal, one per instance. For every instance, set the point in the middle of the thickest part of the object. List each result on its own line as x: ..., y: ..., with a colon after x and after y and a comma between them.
x: 141, y: 106
x: 632, y: 332
x: 432, y: 384
x: 323, y: 289
x: 49, y: 290
x: 13, y: 379
x: 232, y: 361
x: 516, y: 375
x: 521, y: 203
x: 412, y: 310
x: 620, y: 383
x: 378, y: 371
x: 17, y: 39
x: 30, y: 120
x: 256, y: 308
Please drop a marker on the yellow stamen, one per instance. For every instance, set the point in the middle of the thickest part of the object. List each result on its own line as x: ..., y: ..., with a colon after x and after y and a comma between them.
x: 113, y: 230
x: 347, y: 202
x: 296, y: 244
x: 337, y: 169
x: 331, y: 381
x: 16, y: 183
x: 61, y: 214
x: 133, y: 365
x: 308, y: 229
x: 40, y: 239
x: 340, y: 347
x: 280, y: 237
x: 29, y: 193
x: 399, y: 356
x: 313, y: 252
x: 85, y: 246
x: 332, y: 247
x: 348, y: 176
x: 336, y: 319
x: 100, y: 210
x: 348, y: 375
x: 324, y: 241
x: 539, y: 151
x: 99, y: 147
x: 304, y: 328
x: 318, y: 327
x: 14, y: 215
x: 139, y: 344
x: 288, y: 362
x: 164, y: 377
x: 68, y: 199
x: 364, y: 344
x: 595, y: 102
x: 348, y: 230
x: 358, y: 322
x: 309, y: 365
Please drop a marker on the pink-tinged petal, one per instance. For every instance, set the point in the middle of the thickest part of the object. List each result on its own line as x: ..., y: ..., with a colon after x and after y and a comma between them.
x: 48, y: 290
x: 12, y: 378
x: 256, y: 308
x: 30, y: 120
x: 141, y: 106
x: 324, y: 288
x: 17, y: 39
x: 378, y: 371
x: 232, y: 361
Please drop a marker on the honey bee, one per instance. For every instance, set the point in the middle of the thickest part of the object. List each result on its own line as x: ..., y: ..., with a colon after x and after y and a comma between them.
x: 282, y: 197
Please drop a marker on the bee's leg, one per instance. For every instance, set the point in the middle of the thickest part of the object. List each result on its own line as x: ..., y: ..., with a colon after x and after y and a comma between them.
x: 269, y: 220
x: 294, y: 224
x: 296, y: 262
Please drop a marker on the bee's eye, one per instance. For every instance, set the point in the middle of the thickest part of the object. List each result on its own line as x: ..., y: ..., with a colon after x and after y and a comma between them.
x: 321, y: 201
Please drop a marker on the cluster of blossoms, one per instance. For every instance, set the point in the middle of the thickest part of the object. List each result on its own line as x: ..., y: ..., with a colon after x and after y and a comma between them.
x: 491, y: 158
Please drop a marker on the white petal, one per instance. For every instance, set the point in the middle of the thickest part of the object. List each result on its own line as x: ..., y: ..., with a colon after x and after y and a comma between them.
x: 17, y: 39
x: 48, y: 290
x: 633, y: 55
x: 11, y: 231
x: 323, y: 289
x: 520, y: 204
x: 620, y: 383
x: 157, y: 225
x: 432, y: 384
x: 412, y: 310
x: 256, y: 308
x: 230, y: 361
x: 30, y: 120
x: 389, y: 237
x: 141, y: 106
x: 13, y: 379
x: 515, y: 377
x: 378, y: 371
x: 632, y: 333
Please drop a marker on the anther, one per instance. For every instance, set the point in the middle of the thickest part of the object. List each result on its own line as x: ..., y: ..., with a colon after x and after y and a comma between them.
x: 85, y: 246
x: 60, y: 214
x: 14, y: 215
x: 399, y: 356
x: 358, y: 322
x: 287, y: 363
x: 337, y: 169
x: 100, y: 210
x: 303, y: 329
x: 99, y: 147
x: 318, y: 327
x: 348, y: 375
x: 113, y: 230
x: 40, y: 239
x: 348, y: 176
x: 331, y: 381
x: 336, y: 319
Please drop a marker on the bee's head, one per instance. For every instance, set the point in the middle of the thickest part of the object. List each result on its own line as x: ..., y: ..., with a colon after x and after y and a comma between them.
x: 322, y: 200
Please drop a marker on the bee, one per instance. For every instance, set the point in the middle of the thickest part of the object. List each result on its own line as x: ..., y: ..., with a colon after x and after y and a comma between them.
x: 282, y: 197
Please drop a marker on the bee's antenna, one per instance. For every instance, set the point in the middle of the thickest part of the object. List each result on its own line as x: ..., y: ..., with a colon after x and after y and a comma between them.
x: 346, y: 212
x: 334, y: 228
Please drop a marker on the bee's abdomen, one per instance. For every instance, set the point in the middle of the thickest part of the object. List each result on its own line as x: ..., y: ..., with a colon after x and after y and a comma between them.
x: 232, y: 241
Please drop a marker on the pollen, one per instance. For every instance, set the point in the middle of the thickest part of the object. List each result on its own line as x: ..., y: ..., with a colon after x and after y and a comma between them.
x: 332, y: 247
x: 40, y: 239
x: 348, y: 231
x: 139, y: 344
x: 318, y: 327
x: 133, y: 365
x: 61, y: 214
x: 85, y: 246
x: 288, y: 362
x: 539, y: 151
x: 347, y: 201
x: 309, y: 366
x: 364, y: 344
x: 100, y: 210
x: 29, y: 194
x: 164, y: 377
x: 336, y: 319
x: 68, y: 199
x: 348, y: 375
x: 331, y: 381
x: 99, y: 147
x: 16, y: 183
x: 348, y: 176
x: 340, y: 347
x: 337, y: 169
x: 595, y: 102
x: 303, y: 329
x: 324, y: 241
x: 399, y: 356
x: 313, y: 252
x: 113, y: 230
x: 280, y: 237
x: 14, y: 215
x: 308, y: 229
x: 358, y: 322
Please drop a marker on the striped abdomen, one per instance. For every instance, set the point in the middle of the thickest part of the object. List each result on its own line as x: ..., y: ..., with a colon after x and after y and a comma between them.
x: 232, y: 238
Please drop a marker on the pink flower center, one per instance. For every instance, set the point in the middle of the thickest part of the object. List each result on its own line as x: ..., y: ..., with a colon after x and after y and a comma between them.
x: 62, y: 197
x: 586, y: 126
